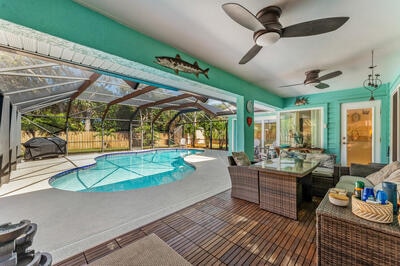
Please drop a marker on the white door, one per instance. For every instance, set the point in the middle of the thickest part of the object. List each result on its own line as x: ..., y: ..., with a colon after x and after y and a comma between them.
x: 360, y: 132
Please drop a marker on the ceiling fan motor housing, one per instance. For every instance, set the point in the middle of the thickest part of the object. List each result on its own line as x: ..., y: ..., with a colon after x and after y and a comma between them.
x: 269, y: 17
x: 312, y: 77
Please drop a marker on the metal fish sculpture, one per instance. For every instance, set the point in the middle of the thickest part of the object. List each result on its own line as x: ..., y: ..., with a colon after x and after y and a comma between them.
x: 177, y: 64
x: 301, y: 101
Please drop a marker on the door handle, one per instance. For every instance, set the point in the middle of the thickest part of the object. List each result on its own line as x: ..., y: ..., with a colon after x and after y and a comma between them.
x: 345, y: 143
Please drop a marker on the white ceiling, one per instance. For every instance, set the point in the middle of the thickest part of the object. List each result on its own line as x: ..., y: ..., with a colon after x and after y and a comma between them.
x: 203, y: 30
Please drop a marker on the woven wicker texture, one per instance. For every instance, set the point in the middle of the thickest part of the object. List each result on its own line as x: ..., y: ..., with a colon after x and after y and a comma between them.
x: 372, y: 212
x: 345, y: 239
x: 280, y: 193
x: 244, y: 183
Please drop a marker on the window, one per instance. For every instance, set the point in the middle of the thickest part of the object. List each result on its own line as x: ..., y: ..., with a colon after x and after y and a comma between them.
x: 264, y: 134
x: 301, y: 128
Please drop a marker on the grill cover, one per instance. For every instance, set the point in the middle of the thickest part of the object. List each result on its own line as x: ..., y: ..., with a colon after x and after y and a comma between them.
x: 44, y: 147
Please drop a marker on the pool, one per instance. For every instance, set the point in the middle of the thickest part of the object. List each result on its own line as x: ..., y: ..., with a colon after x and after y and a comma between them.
x: 127, y: 171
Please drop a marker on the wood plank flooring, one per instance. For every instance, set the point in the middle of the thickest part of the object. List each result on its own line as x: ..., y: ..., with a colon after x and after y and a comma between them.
x: 225, y: 231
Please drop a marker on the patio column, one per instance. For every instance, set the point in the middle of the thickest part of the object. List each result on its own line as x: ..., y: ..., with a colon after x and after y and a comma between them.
x: 5, y: 140
x: 211, y: 138
x: 102, y: 138
x: 130, y: 135
x: 152, y: 135
x: 14, y: 139
x: 66, y: 138
x: 243, y: 132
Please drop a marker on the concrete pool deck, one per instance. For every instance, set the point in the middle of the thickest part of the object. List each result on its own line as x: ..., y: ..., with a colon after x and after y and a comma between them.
x: 70, y: 222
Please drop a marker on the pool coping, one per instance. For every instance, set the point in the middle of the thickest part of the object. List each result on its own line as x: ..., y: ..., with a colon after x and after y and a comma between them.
x: 70, y: 222
x: 59, y: 175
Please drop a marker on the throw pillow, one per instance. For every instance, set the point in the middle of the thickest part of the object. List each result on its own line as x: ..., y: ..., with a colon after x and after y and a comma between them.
x: 241, y: 158
x: 378, y: 177
x: 394, y: 177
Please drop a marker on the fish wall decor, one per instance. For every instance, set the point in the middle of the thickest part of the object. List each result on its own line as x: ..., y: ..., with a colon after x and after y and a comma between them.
x: 301, y: 101
x: 177, y: 64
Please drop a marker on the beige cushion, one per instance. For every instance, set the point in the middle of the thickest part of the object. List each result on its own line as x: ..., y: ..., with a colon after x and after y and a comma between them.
x: 394, y: 177
x: 325, y: 160
x: 378, y: 177
x: 322, y: 171
x: 241, y: 158
x: 347, y: 182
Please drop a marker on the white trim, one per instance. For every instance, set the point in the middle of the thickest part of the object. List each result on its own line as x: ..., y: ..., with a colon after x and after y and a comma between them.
x: 322, y: 128
x: 376, y: 131
x: 391, y: 123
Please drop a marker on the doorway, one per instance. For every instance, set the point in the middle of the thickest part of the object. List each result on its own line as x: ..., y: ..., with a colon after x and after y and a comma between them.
x: 360, y: 134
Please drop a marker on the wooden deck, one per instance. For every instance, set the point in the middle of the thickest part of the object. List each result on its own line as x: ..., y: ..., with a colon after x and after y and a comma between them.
x: 226, y: 231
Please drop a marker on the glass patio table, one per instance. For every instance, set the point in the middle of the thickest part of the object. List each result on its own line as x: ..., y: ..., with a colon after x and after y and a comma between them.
x: 283, y: 183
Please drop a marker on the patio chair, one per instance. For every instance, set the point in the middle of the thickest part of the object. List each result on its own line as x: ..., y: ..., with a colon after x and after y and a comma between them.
x: 244, y: 181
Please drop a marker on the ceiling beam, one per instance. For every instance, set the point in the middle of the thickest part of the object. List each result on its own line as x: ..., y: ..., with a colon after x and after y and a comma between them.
x: 81, y: 89
x: 185, y: 105
x: 127, y: 97
x: 92, y: 79
x: 168, y: 100
x: 133, y: 85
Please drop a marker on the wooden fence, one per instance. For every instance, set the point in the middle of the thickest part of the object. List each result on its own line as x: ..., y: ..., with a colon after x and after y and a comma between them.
x: 89, y: 140
x: 85, y: 141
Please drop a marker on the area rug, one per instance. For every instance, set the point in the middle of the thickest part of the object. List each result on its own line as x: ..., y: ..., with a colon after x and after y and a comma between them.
x: 150, y: 250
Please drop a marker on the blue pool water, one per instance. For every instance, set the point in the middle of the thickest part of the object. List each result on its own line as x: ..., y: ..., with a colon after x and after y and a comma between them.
x: 126, y: 171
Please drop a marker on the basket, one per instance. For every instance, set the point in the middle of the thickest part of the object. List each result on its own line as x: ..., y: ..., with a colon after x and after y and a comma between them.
x: 372, y: 212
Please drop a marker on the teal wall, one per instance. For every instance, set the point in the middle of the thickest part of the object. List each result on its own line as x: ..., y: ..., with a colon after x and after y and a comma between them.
x: 73, y: 22
x: 331, y: 104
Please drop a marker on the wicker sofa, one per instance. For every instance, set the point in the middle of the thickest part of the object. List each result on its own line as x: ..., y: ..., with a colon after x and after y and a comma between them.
x: 372, y: 175
x: 346, y: 239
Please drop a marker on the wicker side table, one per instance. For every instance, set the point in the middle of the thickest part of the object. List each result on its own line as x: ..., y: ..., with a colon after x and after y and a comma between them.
x: 345, y: 239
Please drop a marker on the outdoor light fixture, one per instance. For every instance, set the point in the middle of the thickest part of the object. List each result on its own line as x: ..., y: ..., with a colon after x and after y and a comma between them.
x: 264, y: 37
x: 372, y: 83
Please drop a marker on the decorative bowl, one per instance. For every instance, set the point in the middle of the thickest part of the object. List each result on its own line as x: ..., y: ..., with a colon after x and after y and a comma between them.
x: 338, y: 197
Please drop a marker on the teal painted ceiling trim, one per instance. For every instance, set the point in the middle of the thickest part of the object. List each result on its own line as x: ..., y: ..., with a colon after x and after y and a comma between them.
x: 73, y: 22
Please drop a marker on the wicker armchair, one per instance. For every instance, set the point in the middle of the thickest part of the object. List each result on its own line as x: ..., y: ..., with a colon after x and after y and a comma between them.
x: 244, y: 182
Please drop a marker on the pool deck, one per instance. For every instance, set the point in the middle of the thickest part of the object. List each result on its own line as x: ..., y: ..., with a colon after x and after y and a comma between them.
x: 70, y: 222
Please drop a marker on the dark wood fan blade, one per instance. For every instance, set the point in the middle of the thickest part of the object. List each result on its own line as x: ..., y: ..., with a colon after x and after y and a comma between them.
x: 242, y: 16
x: 314, y: 27
x: 322, y: 86
x: 291, y: 85
x: 250, y: 54
x: 330, y: 75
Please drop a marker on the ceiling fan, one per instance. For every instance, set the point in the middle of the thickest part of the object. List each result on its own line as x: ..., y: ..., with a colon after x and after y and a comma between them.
x: 268, y: 30
x: 312, y: 79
